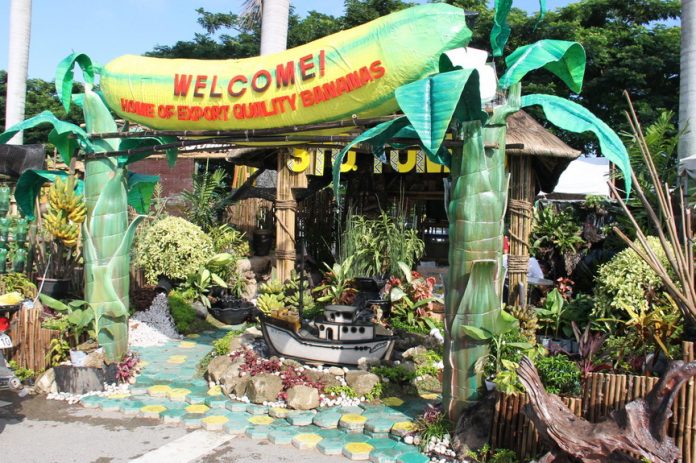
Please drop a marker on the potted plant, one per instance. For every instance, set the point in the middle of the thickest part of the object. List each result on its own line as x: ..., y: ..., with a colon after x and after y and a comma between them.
x: 411, y: 299
x: 232, y: 308
x: 552, y: 316
x: 57, y: 249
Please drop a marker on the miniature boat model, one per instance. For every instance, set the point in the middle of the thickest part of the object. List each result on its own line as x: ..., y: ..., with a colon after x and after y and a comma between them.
x: 340, y: 339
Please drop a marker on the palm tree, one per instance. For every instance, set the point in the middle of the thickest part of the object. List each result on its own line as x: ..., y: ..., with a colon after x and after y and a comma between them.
x: 18, y: 64
x: 274, y: 22
x: 687, y: 82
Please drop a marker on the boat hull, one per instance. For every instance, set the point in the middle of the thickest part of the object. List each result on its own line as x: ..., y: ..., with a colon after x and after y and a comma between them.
x: 287, y: 343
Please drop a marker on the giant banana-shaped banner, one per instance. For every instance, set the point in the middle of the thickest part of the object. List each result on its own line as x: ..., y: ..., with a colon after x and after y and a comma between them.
x: 355, y: 71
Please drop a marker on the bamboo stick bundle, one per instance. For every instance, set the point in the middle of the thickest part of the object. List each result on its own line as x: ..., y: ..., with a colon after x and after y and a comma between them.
x: 496, y: 424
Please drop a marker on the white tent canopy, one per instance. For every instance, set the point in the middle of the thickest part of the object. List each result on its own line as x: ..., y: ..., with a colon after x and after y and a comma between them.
x: 688, y: 165
x: 585, y: 176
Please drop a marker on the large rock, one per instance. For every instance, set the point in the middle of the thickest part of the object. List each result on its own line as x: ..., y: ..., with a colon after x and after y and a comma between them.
x: 231, y: 373
x: 362, y: 382
x: 200, y: 309
x: 417, y: 354
x: 336, y: 371
x: 94, y: 360
x: 303, y: 398
x: 237, y: 386
x: 323, y: 377
x: 264, y: 388
x: 46, y: 383
x: 238, y: 342
x: 218, y: 366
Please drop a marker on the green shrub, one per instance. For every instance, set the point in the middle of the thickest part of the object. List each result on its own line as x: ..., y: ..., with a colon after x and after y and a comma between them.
x: 173, y: 247
x: 627, y: 281
x: 338, y: 390
x: 559, y: 374
x: 396, y: 374
x: 183, y: 314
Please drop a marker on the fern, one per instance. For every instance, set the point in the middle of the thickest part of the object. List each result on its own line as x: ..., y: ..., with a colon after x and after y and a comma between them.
x: 204, y: 201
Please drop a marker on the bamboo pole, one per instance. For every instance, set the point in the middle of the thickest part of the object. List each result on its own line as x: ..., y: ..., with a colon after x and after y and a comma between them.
x: 286, y: 211
x: 522, y: 193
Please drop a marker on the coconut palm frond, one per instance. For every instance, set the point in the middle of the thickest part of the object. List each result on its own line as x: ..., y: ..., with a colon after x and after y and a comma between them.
x: 251, y: 13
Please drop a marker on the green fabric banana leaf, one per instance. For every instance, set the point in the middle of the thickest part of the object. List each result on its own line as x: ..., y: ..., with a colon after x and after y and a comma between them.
x: 564, y: 59
x: 501, y: 30
x: 65, y: 76
x: 58, y: 136
x: 140, y: 189
x: 431, y: 103
x: 132, y: 143
x: 29, y: 186
x: 574, y: 118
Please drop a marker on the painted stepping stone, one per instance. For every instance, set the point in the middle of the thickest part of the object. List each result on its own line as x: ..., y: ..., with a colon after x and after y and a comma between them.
x: 355, y: 438
x: 216, y: 401
x: 215, y: 391
x: 187, y: 345
x: 402, y: 428
x: 192, y: 420
x: 214, y: 422
x: 197, y: 409
x: 357, y: 451
x: 430, y: 396
x: 353, y: 410
x: 257, y: 409
x: 330, y: 433
x: 327, y: 420
x: 193, y: 336
x: 392, y: 401
x: 139, y: 389
x: 331, y: 446
x: 196, y: 398
x: 378, y: 408
x: 172, y: 416
x: 159, y: 390
x: 412, y: 458
x: 300, y: 419
x: 110, y: 405
x: 385, y: 455
x: 260, y: 420
x: 236, y: 426
x: 176, y: 359
x: 118, y: 396
x: 152, y: 411
x: 352, y: 422
x: 279, y: 423
x: 282, y: 436
x: 131, y: 407
x: 279, y: 412
x: 257, y: 432
x: 379, y: 425
x: 179, y: 394
x: 376, y: 435
x: 235, y: 406
x: 306, y: 440
x: 382, y: 443
x: 91, y: 401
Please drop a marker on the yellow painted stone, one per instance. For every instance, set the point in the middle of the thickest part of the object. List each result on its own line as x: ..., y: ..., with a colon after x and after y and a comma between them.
x: 430, y: 396
x: 120, y: 395
x: 358, y: 447
x: 176, y: 359
x: 193, y: 336
x: 197, y: 408
x: 392, y: 402
x: 159, y: 390
x: 307, y: 440
x: 353, y: 418
x: 260, y: 419
x: 187, y: 345
x: 178, y: 393
x: 215, y: 390
x: 407, y: 426
x: 215, y: 419
x: 153, y: 409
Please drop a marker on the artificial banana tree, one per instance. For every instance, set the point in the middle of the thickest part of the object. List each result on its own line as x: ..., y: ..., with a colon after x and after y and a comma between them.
x: 451, y: 100
x: 108, y: 189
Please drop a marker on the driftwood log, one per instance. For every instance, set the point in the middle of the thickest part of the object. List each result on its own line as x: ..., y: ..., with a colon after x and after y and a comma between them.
x: 637, y: 430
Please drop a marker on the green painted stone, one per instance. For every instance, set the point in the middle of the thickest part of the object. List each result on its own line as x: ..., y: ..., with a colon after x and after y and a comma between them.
x: 282, y: 436
x: 110, y: 405
x: 385, y: 455
x: 300, y: 419
x: 382, y: 443
x: 172, y: 416
x: 131, y: 407
x: 235, y: 406
x: 380, y: 425
x: 327, y: 420
x: 196, y: 398
x: 355, y: 438
x: 192, y: 420
x: 257, y: 432
x: 412, y: 458
x: 216, y: 401
x: 91, y: 401
x: 376, y: 435
x: 254, y: 409
x: 280, y: 424
x: 330, y: 433
x: 236, y: 426
x: 351, y: 409
x: 278, y: 412
x: 331, y: 446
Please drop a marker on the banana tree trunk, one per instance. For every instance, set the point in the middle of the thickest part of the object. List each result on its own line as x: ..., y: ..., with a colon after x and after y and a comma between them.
x: 474, y: 287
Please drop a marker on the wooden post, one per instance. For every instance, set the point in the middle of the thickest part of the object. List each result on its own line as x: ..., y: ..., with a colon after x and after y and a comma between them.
x: 520, y: 207
x: 286, y: 209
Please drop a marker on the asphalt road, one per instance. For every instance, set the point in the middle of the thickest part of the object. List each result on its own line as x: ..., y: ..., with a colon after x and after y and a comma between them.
x: 34, y: 429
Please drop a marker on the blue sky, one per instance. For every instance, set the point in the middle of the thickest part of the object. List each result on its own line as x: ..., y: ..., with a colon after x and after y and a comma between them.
x: 105, y: 29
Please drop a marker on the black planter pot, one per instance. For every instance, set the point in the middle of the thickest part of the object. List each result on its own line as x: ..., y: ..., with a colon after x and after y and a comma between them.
x: 164, y: 285
x: 368, y: 289
x: 262, y: 241
x: 232, y: 311
x: 54, y: 287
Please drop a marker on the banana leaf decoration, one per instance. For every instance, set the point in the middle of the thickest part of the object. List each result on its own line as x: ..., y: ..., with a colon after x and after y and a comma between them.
x: 500, y: 33
x: 108, y: 189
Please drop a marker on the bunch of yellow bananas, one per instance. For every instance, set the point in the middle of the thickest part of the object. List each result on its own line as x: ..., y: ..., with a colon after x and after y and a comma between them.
x: 66, y: 211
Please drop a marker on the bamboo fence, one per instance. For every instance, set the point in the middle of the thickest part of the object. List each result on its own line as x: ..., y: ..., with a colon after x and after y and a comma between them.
x: 30, y: 340
x: 242, y: 214
x: 601, y: 394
